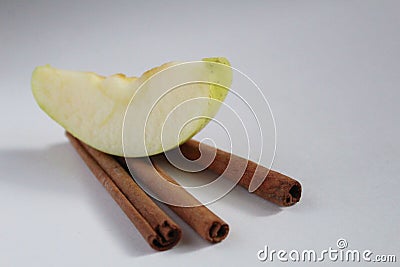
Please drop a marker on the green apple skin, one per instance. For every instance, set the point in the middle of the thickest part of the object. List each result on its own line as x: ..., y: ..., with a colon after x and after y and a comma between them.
x: 92, y: 107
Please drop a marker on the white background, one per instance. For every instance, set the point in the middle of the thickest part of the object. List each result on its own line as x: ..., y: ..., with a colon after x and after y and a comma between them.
x: 330, y: 70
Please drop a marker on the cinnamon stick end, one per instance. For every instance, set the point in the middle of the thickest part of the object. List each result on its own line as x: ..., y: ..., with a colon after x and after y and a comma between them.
x: 293, y: 195
x: 161, y: 242
x: 218, y: 232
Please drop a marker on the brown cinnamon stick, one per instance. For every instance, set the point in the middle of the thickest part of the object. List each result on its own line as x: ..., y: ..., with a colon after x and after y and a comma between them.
x: 153, y: 224
x: 277, y: 188
x: 208, y: 225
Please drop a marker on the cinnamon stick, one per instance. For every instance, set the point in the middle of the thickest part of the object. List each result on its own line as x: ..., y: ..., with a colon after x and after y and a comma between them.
x: 277, y: 187
x: 208, y: 225
x: 154, y: 225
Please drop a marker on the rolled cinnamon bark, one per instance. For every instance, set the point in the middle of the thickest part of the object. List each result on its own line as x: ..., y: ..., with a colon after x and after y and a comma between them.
x: 277, y: 188
x: 208, y: 225
x: 160, y: 231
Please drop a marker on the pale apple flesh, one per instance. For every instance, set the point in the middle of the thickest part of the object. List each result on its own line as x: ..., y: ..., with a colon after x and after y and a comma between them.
x: 134, y: 117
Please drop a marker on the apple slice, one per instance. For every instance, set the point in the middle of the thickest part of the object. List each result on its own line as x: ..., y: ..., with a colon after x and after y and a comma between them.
x: 134, y: 117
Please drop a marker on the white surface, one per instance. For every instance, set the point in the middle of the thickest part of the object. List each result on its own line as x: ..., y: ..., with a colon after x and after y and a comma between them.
x: 330, y: 70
